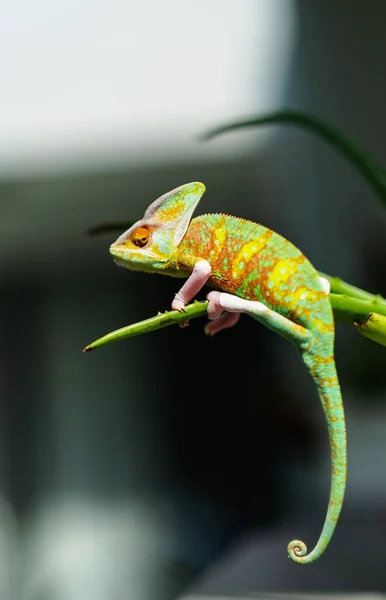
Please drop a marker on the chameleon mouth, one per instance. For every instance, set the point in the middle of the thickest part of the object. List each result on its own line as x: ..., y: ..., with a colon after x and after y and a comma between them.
x: 121, y: 262
x: 116, y: 252
x: 137, y: 260
x: 119, y: 257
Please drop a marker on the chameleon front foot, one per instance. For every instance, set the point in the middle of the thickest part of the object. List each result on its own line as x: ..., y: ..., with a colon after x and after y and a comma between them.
x: 192, y: 285
x: 297, y: 552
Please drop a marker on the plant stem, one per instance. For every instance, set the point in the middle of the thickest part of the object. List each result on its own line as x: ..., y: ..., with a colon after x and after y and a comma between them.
x: 346, y: 308
x: 172, y: 317
x: 349, y: 309
x: 374, y: 328
x: 338, y: 286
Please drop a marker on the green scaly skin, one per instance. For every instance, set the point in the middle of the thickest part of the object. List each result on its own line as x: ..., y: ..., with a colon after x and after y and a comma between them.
x: 278, y: 286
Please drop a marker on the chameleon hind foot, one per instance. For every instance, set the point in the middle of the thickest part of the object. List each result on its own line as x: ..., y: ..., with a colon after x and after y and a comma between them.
x: 225, y: 321
x: 221, y: 301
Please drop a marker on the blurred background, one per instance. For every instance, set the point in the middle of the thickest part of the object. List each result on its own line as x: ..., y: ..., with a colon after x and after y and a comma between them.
x: 173, y: 465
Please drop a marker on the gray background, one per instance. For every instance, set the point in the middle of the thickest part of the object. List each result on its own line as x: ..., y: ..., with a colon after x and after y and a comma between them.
x: 173, y: 464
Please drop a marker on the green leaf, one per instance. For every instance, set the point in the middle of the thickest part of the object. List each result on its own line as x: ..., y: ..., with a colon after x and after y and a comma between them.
x: 361, y: 159
x: 109, y: 227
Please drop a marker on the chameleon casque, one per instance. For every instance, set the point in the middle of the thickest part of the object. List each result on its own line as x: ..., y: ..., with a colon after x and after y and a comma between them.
x: 256, y: 271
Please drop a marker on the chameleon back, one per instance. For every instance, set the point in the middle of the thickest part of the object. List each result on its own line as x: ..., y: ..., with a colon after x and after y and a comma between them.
x: 256, y: 263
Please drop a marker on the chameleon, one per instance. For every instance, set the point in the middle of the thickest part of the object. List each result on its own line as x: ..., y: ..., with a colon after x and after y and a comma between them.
x: 252, y: 270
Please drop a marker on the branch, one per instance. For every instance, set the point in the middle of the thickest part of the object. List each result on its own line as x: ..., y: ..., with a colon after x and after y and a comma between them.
x: 367, y: 315
x: 354, y: 310
x: 338, y: 286
x: 374, y: 328
x: 172, y: 317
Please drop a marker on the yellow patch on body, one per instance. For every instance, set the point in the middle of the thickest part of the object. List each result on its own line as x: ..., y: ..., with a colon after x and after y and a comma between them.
x: 220, y: 234
x: 282, y: 271
x: 321, y: 326
x: 301, y: 293
x: 248, y: 251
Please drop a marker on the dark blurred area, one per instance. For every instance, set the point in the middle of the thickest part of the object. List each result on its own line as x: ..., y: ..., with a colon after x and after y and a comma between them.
x: 173, y: 465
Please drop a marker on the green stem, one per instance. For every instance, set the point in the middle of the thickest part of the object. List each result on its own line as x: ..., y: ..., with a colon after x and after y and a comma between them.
x: 346, y: 308
x: 364, y: 162
x: 172, y: 317
x: 338, y: 286
x: 350, y: 309
x: 374, y: 328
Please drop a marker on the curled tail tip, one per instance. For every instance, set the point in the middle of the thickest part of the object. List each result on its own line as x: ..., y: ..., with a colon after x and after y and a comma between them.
x: 297, y: 551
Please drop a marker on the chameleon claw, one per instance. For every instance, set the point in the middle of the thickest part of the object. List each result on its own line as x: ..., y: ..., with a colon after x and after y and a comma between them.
x: 178, y: 303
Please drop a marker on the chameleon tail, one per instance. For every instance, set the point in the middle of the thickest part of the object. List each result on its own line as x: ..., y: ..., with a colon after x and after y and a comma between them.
x: 323, y: 371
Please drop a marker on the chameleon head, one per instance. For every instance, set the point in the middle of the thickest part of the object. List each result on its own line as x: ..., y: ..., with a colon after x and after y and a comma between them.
x: 141, y: 248
x: 150, y: 244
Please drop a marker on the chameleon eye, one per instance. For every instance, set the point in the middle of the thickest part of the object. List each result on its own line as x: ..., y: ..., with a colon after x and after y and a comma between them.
x: 140, y: 236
